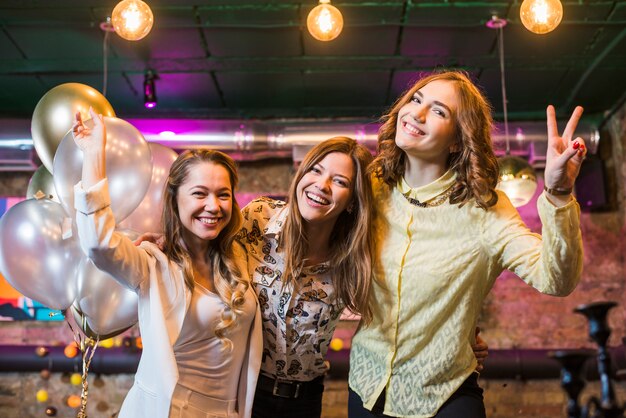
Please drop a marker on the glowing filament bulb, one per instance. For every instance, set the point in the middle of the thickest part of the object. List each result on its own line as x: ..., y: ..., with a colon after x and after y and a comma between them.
x: 541, y: 16
x: 132, y: 19
x: 325, y: 21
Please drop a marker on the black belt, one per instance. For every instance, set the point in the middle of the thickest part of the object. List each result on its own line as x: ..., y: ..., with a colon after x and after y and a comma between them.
x: 290, y: 388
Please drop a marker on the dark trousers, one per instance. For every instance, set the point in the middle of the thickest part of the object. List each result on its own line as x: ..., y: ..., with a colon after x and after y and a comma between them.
x: 267, y: 405
x: 466, y: 402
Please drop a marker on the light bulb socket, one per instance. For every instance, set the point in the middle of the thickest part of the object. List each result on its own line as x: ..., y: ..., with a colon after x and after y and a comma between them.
x: 107, y: 26
x: 496, y: 22
x: 149, y: 89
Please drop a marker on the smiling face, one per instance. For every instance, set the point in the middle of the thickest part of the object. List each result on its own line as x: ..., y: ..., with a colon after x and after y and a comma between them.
x: 426, y: 126
x: 325, y: 191
x: 205, y: 203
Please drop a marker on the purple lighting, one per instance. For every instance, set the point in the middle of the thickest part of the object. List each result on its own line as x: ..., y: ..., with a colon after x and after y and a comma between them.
x: 149, y: 89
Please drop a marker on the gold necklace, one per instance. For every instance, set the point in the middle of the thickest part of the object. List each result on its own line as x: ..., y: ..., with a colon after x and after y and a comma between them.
x: 436, y: 201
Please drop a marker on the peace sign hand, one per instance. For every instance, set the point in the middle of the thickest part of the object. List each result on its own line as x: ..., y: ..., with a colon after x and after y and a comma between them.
x: 89, y: 139
x: 565, y: 154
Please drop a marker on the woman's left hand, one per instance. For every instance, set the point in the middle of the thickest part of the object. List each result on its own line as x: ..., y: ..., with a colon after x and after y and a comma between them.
x: 481, y: 351
x: 565, y: 153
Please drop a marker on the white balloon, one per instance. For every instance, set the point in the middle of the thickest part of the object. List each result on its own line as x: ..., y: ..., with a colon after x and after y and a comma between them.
x: 39, y: 252
x: 128, y: 167
x: 147, y: 216
x: 107, y: 305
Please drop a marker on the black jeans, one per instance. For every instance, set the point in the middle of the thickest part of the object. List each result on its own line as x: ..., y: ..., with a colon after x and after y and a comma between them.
x: 466, y: 402
x: 267, y: 405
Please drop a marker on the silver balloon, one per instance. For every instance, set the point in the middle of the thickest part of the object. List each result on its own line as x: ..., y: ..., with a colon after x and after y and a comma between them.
x: 41, y: 185
x: 39, y: 252
x: 147, y: 216
x: 128, y: 167
x: 107, y: 305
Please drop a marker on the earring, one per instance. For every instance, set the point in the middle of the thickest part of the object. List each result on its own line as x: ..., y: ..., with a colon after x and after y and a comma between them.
x: 350, y: 208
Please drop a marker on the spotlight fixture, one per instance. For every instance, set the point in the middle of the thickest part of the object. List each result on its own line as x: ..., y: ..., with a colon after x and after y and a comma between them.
x: 541, y: 16
x: 132, y: 19
x: 325, y: 21
x: 516, y: 177
x: 149, y: 89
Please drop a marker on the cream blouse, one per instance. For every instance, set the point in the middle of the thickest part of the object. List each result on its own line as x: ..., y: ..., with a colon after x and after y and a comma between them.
x: 434, y: 267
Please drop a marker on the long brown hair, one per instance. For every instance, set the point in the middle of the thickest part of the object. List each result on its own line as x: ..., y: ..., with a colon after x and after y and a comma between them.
x: 351, y: 241
x: 229, y: 284
x: 473, y: 158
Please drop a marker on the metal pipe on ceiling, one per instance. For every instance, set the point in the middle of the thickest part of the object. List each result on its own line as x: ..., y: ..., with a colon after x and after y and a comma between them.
x: 247, y: 140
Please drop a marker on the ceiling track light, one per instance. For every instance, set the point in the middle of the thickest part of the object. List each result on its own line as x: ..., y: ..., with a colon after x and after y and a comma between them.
x: 149, y: 89
x: 516, y: 176
x: 325, y: 21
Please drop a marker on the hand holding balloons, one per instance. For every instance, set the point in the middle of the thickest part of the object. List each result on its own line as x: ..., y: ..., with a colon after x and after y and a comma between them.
x: 128, y: 165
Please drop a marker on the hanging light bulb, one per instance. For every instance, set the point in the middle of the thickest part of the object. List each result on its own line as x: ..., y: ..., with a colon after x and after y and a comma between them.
x: 516, y: 177
x: 132, y: 19
x: 325, y: 21
x: 541, y: 16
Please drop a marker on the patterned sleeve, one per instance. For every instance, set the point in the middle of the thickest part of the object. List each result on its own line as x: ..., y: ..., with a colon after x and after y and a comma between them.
x: 256, y: 216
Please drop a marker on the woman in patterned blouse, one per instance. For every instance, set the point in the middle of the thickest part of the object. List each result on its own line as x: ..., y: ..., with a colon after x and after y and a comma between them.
x: 308, y: 261
x: 445, y: 234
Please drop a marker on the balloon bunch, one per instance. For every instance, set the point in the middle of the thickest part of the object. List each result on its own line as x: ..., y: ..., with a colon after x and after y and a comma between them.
x: 39, y: 251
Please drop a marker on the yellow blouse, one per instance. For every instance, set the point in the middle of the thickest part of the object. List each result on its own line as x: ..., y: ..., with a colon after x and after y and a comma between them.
x: 435, y: 266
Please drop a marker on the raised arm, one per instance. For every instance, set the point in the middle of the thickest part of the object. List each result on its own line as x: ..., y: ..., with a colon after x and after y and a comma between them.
x: 551, y: 262
x: 92, y: 142
x: 564, y: 157
x: 110, y: 251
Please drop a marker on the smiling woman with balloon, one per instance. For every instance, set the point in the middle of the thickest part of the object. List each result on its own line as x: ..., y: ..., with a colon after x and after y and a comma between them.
x: 198, y: 314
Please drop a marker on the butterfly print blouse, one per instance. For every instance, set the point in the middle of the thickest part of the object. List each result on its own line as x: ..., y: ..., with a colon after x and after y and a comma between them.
x: 297, y: 324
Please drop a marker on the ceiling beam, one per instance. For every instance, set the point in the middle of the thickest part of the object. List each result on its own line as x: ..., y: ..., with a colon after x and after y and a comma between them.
x: 306, y: 64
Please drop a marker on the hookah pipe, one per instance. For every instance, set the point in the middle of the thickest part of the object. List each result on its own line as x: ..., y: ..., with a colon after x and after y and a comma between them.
x: 572, y: 363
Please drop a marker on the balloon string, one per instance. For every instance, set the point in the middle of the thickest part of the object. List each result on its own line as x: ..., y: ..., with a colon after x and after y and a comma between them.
x: 105, y: 53
x: 88, y: 349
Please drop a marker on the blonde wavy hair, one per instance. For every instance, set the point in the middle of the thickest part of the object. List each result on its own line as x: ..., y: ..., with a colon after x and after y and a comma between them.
x: 351, y: 241
x: 230, y: 286
x: 473, y: 159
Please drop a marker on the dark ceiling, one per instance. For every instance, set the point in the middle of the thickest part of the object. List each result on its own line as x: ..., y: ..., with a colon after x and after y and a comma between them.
x: 255, y: 59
